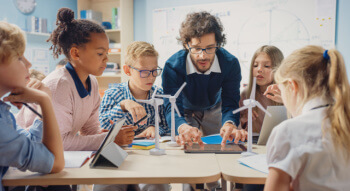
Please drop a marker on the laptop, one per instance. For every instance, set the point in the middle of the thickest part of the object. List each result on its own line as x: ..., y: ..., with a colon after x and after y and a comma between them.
x: 278, y: 114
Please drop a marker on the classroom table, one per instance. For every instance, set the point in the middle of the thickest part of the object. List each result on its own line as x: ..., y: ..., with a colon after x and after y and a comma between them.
x: 232, y: 171
x: 139, y: 167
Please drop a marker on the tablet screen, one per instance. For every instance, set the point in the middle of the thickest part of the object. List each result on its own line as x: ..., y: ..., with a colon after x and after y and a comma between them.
x: 216, y: 148
x: 112, y: 133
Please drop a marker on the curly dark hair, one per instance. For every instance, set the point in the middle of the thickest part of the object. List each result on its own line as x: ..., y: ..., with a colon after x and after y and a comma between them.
x: 71, y: 32
x: 198, y: 24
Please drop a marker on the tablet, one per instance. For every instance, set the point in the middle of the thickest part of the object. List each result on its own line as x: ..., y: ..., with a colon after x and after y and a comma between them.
x: 230, y: 148
x: 98, y: 159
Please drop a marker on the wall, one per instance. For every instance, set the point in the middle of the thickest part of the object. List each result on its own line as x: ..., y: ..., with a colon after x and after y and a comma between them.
x: 44, y: 9
x: 143, y: 24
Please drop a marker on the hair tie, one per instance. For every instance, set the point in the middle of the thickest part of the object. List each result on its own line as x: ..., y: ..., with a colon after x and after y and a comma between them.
x: 325, y: 55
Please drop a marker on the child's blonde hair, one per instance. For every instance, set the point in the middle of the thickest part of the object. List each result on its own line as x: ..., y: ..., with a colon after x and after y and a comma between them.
x: 138, y: 49
x: 36, y: 74
x: 12, y: 41
x: 276, y: 57
x: 321, y: 73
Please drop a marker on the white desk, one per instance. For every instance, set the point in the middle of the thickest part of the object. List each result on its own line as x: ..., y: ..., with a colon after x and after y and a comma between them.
x: 232, y: 171
x: 139, y: 167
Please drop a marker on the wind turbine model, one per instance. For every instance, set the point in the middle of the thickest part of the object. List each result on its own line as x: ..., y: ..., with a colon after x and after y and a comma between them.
x: 250, y: 104
x: 172, y: 100
x: 155, y: 102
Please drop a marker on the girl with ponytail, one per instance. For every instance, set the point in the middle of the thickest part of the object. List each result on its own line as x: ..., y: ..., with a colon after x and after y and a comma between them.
x: 311, y: 150
x: 74, y: 88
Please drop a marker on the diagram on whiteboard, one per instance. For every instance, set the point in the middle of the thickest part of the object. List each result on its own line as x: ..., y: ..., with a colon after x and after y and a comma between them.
x: 249, y: 24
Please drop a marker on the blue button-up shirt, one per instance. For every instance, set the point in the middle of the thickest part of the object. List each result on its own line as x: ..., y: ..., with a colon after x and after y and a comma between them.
x: 22, y: 148
x: 110, y: 109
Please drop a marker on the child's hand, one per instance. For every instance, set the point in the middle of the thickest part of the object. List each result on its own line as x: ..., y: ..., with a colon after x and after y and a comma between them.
x: 103, y: 131
x: 37, y: 84
x: 274, y: 93
x: 136, y: 110
x: 25, y: 95
x: 148, y: 133
x: 125, y: 135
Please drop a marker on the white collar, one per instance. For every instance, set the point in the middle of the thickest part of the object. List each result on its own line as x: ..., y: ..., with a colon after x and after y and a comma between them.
x: 190, y: 69
x: 313, y: 103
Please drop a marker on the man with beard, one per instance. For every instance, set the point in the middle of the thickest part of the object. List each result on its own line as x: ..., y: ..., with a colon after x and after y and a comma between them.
x: 213, y: 78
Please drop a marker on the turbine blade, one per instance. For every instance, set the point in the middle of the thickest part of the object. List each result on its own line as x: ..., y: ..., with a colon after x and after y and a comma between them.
x: 179, y: 90
x: 262, y: 108
x: 177, y: 110
x: 252, y: 94
x: 165, y: 96
x: 144, y: 101
x: 240, y: 109
x: 154, y: 92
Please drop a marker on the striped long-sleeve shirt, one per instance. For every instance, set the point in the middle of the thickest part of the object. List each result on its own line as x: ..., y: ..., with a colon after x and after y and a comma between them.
x: 110, y: 109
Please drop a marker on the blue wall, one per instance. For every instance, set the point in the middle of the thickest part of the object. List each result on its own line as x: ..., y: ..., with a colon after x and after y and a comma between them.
x: 44, y: 9
x: 143, y: 24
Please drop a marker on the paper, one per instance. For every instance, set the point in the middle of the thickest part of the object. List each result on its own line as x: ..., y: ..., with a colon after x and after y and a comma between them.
x: 75, y: 159
x: 256, y: 162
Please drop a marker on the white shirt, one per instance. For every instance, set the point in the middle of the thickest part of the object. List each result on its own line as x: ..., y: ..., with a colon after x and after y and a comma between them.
x: 190, y: 68
x: 297, y: 147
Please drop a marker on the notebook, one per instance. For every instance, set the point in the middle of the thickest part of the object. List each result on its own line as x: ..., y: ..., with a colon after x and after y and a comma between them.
x: 76, y: 159
x: 143, y: 145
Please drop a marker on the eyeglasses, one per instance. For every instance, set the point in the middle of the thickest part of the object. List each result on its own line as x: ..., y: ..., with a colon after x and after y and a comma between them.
x: 146, y: 73
x: 210, y: 50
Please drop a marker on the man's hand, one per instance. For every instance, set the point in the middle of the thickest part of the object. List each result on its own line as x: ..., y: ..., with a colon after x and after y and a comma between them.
x: 229, y: 132
x: 189, y: 135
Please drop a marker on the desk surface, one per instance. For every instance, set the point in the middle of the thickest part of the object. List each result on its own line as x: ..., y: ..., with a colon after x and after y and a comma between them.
x: 139, y: 167
x: 234, y: 172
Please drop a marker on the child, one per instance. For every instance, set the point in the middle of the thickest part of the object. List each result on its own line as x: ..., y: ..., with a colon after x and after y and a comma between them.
x: 142, y: 67
x: 74, y: 88
x: 20, y: 148
x: 264, y: 61
x: 311, y: 150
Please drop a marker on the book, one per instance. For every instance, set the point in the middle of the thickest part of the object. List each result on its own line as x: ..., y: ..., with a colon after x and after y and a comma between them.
x: 143, y: 145
x: 116, y: 18
x: 91, y: 15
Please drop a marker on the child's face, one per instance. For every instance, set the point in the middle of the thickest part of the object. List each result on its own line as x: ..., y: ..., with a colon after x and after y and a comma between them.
x: 262, y: 69
x: 15, y: 73
x: 144, y: 63
x: 93, y: 56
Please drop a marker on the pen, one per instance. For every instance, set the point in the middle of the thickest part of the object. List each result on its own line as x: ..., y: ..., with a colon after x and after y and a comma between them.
x: 33, y: 110
x: 143, y: 118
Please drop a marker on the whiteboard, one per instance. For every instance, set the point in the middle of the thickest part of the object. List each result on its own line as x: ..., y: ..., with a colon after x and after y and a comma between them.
x: 249, y: 24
